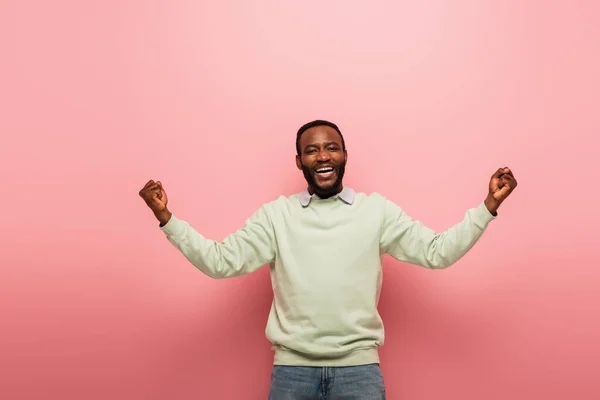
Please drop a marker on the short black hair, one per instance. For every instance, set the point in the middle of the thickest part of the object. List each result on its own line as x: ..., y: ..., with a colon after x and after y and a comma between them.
x: 318, y: 122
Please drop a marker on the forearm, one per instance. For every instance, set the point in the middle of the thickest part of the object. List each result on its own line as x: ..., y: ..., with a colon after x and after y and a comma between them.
x: 410, y: 241
x: 492, y: 204
x: 240, y: 253
x: 446, y: 248
x: 163, y: 216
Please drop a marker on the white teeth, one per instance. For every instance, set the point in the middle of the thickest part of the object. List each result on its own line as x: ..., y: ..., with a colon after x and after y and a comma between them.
x: 329, y: 169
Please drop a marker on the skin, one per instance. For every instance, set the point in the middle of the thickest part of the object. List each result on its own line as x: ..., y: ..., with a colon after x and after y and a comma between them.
x: 502, y: 183
x: 320, y: 146
x: 156, y: 198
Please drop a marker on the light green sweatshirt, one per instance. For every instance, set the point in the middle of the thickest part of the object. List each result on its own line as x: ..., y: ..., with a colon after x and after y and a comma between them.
x: 325, y: 258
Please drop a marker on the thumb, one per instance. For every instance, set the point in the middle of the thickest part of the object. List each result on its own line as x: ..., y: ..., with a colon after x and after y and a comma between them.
x: 502, y: 193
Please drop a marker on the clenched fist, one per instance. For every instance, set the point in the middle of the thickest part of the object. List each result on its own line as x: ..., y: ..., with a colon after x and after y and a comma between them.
x: 501, y: 185
x: 155, y: 197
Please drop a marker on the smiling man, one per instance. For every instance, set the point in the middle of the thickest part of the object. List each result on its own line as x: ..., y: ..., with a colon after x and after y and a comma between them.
x: 324, y: 247
x: 322, y: 157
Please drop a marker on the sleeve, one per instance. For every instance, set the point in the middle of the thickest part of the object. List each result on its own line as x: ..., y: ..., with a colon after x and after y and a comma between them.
x: 240, y: 253
x: 412, y: 242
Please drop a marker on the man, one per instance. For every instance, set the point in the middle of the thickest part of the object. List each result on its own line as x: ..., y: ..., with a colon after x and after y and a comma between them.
x: 324, y: 247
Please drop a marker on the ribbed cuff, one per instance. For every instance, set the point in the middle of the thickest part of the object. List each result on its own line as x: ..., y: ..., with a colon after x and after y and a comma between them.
x: 173, y: 227
x: 484, y: 215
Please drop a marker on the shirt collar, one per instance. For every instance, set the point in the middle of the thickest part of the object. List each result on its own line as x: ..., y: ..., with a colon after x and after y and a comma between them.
x: 347, y: 195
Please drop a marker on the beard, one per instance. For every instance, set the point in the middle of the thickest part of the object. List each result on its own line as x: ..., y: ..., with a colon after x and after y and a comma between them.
x: 324, y: 192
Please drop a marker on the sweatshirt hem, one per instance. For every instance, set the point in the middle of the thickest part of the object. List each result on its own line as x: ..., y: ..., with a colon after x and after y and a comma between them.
x: 356, y: 357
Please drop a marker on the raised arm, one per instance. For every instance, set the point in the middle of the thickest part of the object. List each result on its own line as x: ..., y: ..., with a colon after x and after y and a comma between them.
x: 410, y: 241
x: 242, y: 252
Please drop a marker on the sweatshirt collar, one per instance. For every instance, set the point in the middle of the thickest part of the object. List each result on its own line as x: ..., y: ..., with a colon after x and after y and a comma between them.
x: 347, y: 195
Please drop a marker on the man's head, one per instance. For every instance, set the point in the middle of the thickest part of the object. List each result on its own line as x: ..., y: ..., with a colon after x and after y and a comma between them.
x: 322, y: 156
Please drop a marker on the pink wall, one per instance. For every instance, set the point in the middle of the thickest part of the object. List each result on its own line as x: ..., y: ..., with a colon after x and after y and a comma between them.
x: 433, y: 97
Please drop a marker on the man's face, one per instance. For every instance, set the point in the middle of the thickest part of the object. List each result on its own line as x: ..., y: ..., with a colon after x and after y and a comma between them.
x: 322, y: 160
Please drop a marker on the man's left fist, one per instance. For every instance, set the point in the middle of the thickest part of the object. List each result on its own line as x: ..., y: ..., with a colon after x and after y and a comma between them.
x: 502, y: 184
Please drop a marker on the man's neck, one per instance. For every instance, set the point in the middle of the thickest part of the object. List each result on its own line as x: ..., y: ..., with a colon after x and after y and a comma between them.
x: 312, y: 191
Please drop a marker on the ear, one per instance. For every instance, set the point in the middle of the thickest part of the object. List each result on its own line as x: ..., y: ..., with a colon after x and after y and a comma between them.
x: 345, y: 156
x: 298, y: 162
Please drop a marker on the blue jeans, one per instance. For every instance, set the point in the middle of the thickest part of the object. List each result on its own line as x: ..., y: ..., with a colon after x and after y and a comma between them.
x: 361, y: 382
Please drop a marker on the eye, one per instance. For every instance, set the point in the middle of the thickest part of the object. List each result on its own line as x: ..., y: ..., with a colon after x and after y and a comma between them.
x: 332, y: 148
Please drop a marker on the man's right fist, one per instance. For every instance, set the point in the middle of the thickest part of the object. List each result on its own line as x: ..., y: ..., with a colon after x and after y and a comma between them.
x: 155, y: 197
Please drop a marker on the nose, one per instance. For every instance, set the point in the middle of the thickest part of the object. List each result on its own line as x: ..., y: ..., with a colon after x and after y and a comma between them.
x: 323, y: 155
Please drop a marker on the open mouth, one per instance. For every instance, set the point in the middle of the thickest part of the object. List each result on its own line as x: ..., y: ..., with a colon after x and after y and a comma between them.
x: 325, y: 172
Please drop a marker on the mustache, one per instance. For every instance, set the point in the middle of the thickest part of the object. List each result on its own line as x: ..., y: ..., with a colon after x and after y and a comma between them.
x: 310, y: 174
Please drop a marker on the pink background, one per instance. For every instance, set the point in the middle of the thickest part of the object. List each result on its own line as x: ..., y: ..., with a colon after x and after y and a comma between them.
x: 433, y: 96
